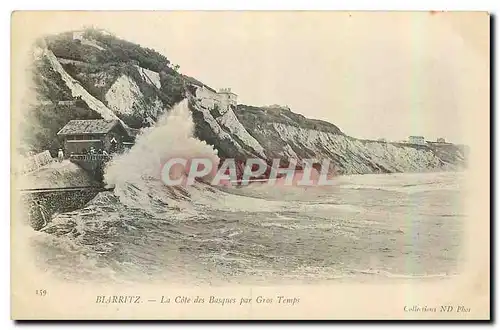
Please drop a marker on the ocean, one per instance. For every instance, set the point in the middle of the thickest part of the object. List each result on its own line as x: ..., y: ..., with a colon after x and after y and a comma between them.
x: 404, y: 225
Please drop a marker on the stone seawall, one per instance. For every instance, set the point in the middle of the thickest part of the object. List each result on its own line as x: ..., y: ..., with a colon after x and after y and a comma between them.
x: 43, y: 205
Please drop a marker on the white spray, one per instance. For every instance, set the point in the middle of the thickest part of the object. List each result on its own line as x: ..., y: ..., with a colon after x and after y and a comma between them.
x: 172, y: 136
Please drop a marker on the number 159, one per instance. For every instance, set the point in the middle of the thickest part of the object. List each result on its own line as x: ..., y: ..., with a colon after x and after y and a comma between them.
x: 41, y: 292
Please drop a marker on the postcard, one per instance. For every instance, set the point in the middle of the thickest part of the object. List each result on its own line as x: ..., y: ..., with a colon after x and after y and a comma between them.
x: 256, y: 165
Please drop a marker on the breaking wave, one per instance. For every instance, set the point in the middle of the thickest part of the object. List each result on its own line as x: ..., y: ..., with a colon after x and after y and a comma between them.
x: 136, y: 174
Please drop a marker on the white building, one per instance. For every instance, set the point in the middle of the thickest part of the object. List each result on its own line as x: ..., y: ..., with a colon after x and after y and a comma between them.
x: 277, y: 106
x: 78, y: 35
x: 416, y: 140
x: 227, y: 97
x: 67, y: 102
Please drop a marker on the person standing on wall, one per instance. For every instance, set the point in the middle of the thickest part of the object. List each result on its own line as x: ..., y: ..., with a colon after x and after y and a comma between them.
x: 60, y: 155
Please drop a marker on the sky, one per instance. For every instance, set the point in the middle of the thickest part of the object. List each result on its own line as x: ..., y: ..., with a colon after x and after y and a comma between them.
x: 374, y: 75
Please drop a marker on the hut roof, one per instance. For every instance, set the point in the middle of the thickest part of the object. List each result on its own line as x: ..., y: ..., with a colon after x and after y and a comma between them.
x: 94, y: 126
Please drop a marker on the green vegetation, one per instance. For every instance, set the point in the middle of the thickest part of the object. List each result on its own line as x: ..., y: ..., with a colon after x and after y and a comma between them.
x: 96, y: 69
x: 173, y: 87
x: 48, y: 83
x: 119, y: 50
x: 44, y: 120
x: 117, y: 57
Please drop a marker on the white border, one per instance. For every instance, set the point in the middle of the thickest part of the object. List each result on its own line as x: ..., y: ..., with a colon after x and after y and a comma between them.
x: 477, y: 5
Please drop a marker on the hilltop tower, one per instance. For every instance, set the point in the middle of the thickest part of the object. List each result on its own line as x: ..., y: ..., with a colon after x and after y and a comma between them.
x: 227, y: 97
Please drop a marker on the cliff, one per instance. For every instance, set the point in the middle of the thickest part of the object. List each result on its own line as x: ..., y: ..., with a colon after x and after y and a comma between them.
x: 284, y: 133
x: 100, y: 76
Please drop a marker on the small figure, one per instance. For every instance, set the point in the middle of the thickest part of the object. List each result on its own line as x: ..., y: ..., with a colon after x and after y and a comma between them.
x: 60, y: 155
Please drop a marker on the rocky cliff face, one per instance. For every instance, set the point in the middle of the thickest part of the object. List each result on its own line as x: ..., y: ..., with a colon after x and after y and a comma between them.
x: 286, y: 134
x: 100, y: 76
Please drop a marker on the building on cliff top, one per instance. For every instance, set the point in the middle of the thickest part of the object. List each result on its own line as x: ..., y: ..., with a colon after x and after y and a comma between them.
x: 78, y: 35
x: 416, y: 140
x: 80, y: 135
x: 227, y: 98
x: 277, y: 106
x: 441, y: 140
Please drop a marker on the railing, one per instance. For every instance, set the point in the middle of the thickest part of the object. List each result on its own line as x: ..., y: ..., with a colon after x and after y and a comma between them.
x: 33, y: 163
x: 38, y: 190
x: 96, y: 157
